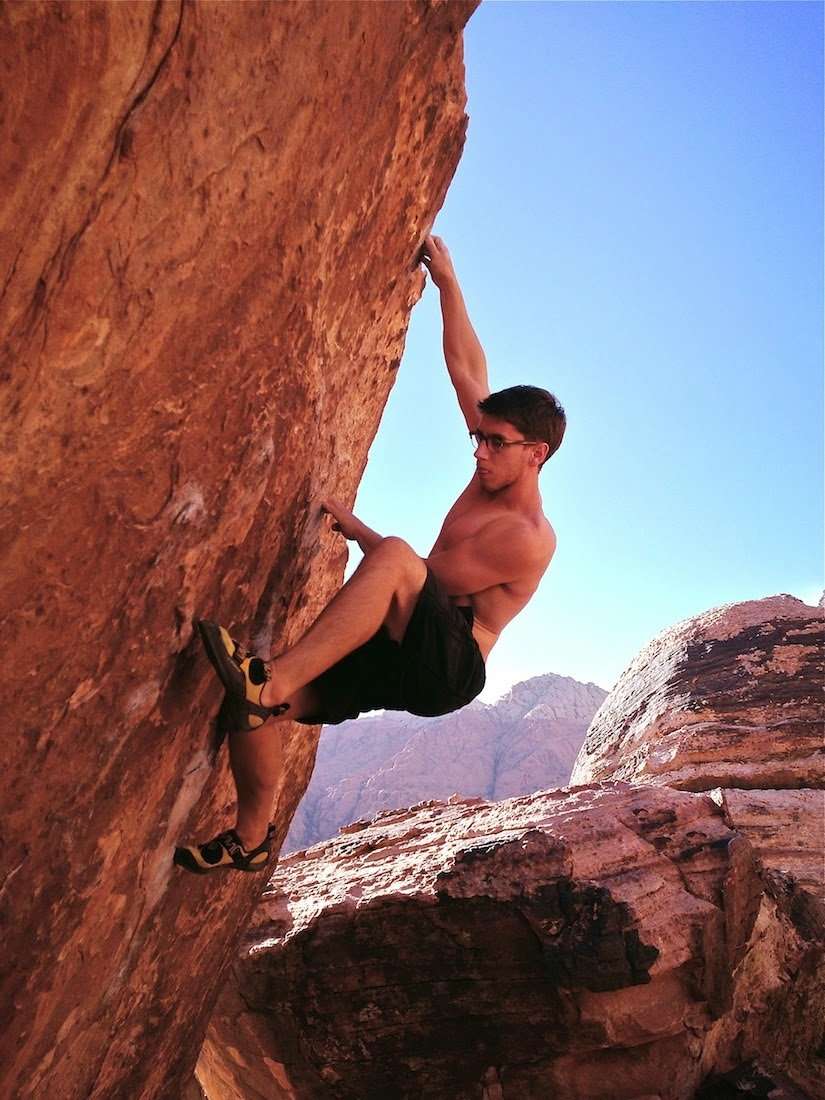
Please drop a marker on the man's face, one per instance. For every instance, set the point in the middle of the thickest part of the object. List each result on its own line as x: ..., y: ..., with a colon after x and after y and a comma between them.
x: 498, y: 468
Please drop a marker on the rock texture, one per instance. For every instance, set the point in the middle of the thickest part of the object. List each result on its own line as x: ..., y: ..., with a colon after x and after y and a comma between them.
x: 208, y: 233
x: 732, y: 697
x: 450, y: 950
x: 525, y: 742
x: 775, y: 919
x: 606, y: 942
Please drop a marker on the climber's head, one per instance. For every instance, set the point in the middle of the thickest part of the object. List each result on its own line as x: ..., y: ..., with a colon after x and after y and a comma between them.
x: 535, y: 414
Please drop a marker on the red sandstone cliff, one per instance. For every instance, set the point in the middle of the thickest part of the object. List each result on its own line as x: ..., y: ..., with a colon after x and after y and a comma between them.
x: 209, y: 222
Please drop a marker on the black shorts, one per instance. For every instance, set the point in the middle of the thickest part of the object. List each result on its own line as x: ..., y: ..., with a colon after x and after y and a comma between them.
x: 437, y: 667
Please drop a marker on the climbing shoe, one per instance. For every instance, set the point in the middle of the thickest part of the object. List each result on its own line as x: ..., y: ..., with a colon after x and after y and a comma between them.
x: 225, y: 851
x: 236, y: 716
x: 242, y: 674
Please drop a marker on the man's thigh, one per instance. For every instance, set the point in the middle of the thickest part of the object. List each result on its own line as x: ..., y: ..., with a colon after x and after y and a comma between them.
x: 369, y: 678
x: 406, y: 596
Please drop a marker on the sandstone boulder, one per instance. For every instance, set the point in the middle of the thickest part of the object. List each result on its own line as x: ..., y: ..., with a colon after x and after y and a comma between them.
x: 732, y: 697
x: 565, y: 944
x: 606, y: 942
x: 209, y: 225
x: 775, y: 931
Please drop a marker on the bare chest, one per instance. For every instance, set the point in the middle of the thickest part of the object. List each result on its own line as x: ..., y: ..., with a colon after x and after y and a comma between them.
x: 493, y: 606
x: 464, y: 519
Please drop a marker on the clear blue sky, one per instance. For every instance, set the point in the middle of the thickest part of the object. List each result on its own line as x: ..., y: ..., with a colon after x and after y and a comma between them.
x: 637, y: 225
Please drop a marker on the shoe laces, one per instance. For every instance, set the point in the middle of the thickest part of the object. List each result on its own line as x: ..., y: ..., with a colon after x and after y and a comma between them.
x: 242, y: 654
x: 231, y: 843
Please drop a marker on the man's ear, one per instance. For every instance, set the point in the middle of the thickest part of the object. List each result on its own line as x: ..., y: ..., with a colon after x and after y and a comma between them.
x: 541, y: 455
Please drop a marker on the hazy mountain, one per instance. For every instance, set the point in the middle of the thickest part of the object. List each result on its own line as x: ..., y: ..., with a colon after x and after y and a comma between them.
x: 526, y: 741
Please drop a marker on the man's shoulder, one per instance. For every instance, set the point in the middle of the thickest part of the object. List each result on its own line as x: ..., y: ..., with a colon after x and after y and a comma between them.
x: 550, y: 535
x: 528, y: 537
x: 536, y: 527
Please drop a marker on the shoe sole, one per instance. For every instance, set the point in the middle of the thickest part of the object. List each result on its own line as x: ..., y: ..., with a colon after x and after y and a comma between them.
x: 234, y: 717
x: 232, y: 678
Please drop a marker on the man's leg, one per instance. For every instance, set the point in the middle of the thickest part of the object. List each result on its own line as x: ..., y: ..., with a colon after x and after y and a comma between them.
x: 256, y: 758
x: 383, y: 589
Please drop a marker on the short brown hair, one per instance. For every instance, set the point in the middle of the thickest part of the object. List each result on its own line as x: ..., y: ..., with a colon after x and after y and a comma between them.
x: 535, y: 412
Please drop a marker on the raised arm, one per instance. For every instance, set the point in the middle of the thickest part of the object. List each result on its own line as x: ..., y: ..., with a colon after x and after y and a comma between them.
x: 463, y: 352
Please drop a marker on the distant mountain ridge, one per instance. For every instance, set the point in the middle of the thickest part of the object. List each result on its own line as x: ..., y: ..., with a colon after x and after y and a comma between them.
x: 526, y: 741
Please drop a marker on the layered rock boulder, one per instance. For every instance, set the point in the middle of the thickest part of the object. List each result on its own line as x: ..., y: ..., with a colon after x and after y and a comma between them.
x: 603, y: 942
x: 774, y: 899
x: 210, y: 223
x: 732, y: 697
x: 527, y: 741
x: 456, y: 950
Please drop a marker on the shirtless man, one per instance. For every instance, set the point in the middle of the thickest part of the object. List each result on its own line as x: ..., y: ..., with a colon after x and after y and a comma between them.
x: 404, y: 632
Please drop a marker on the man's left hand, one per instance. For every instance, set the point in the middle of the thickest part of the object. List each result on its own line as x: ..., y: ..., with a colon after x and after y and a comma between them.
x: 344, y: 520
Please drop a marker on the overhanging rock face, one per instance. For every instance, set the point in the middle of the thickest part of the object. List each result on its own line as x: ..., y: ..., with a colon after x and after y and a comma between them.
x: 209, y: 224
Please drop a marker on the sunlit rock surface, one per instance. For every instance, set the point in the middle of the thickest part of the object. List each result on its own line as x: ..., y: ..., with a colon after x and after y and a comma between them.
x: 526, y: 741
x: 447, y: 948
x: 605, y: 942
x: 208, y: 230
x: 775, y: 920
x: 732, y: 697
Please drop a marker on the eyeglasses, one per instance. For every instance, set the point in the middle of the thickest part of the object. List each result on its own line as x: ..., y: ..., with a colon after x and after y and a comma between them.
x: 497, y: 443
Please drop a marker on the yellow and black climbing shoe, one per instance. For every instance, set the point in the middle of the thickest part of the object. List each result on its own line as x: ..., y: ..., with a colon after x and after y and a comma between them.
x: 225, y: 851
x: 242, y: 674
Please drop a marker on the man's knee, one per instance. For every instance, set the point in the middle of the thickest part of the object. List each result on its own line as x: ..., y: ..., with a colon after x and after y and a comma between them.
x: 403, y: 554
x: 392, y: 544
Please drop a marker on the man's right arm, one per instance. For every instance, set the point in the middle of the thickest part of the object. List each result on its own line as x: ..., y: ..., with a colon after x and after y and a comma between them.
x: 463, y: 353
